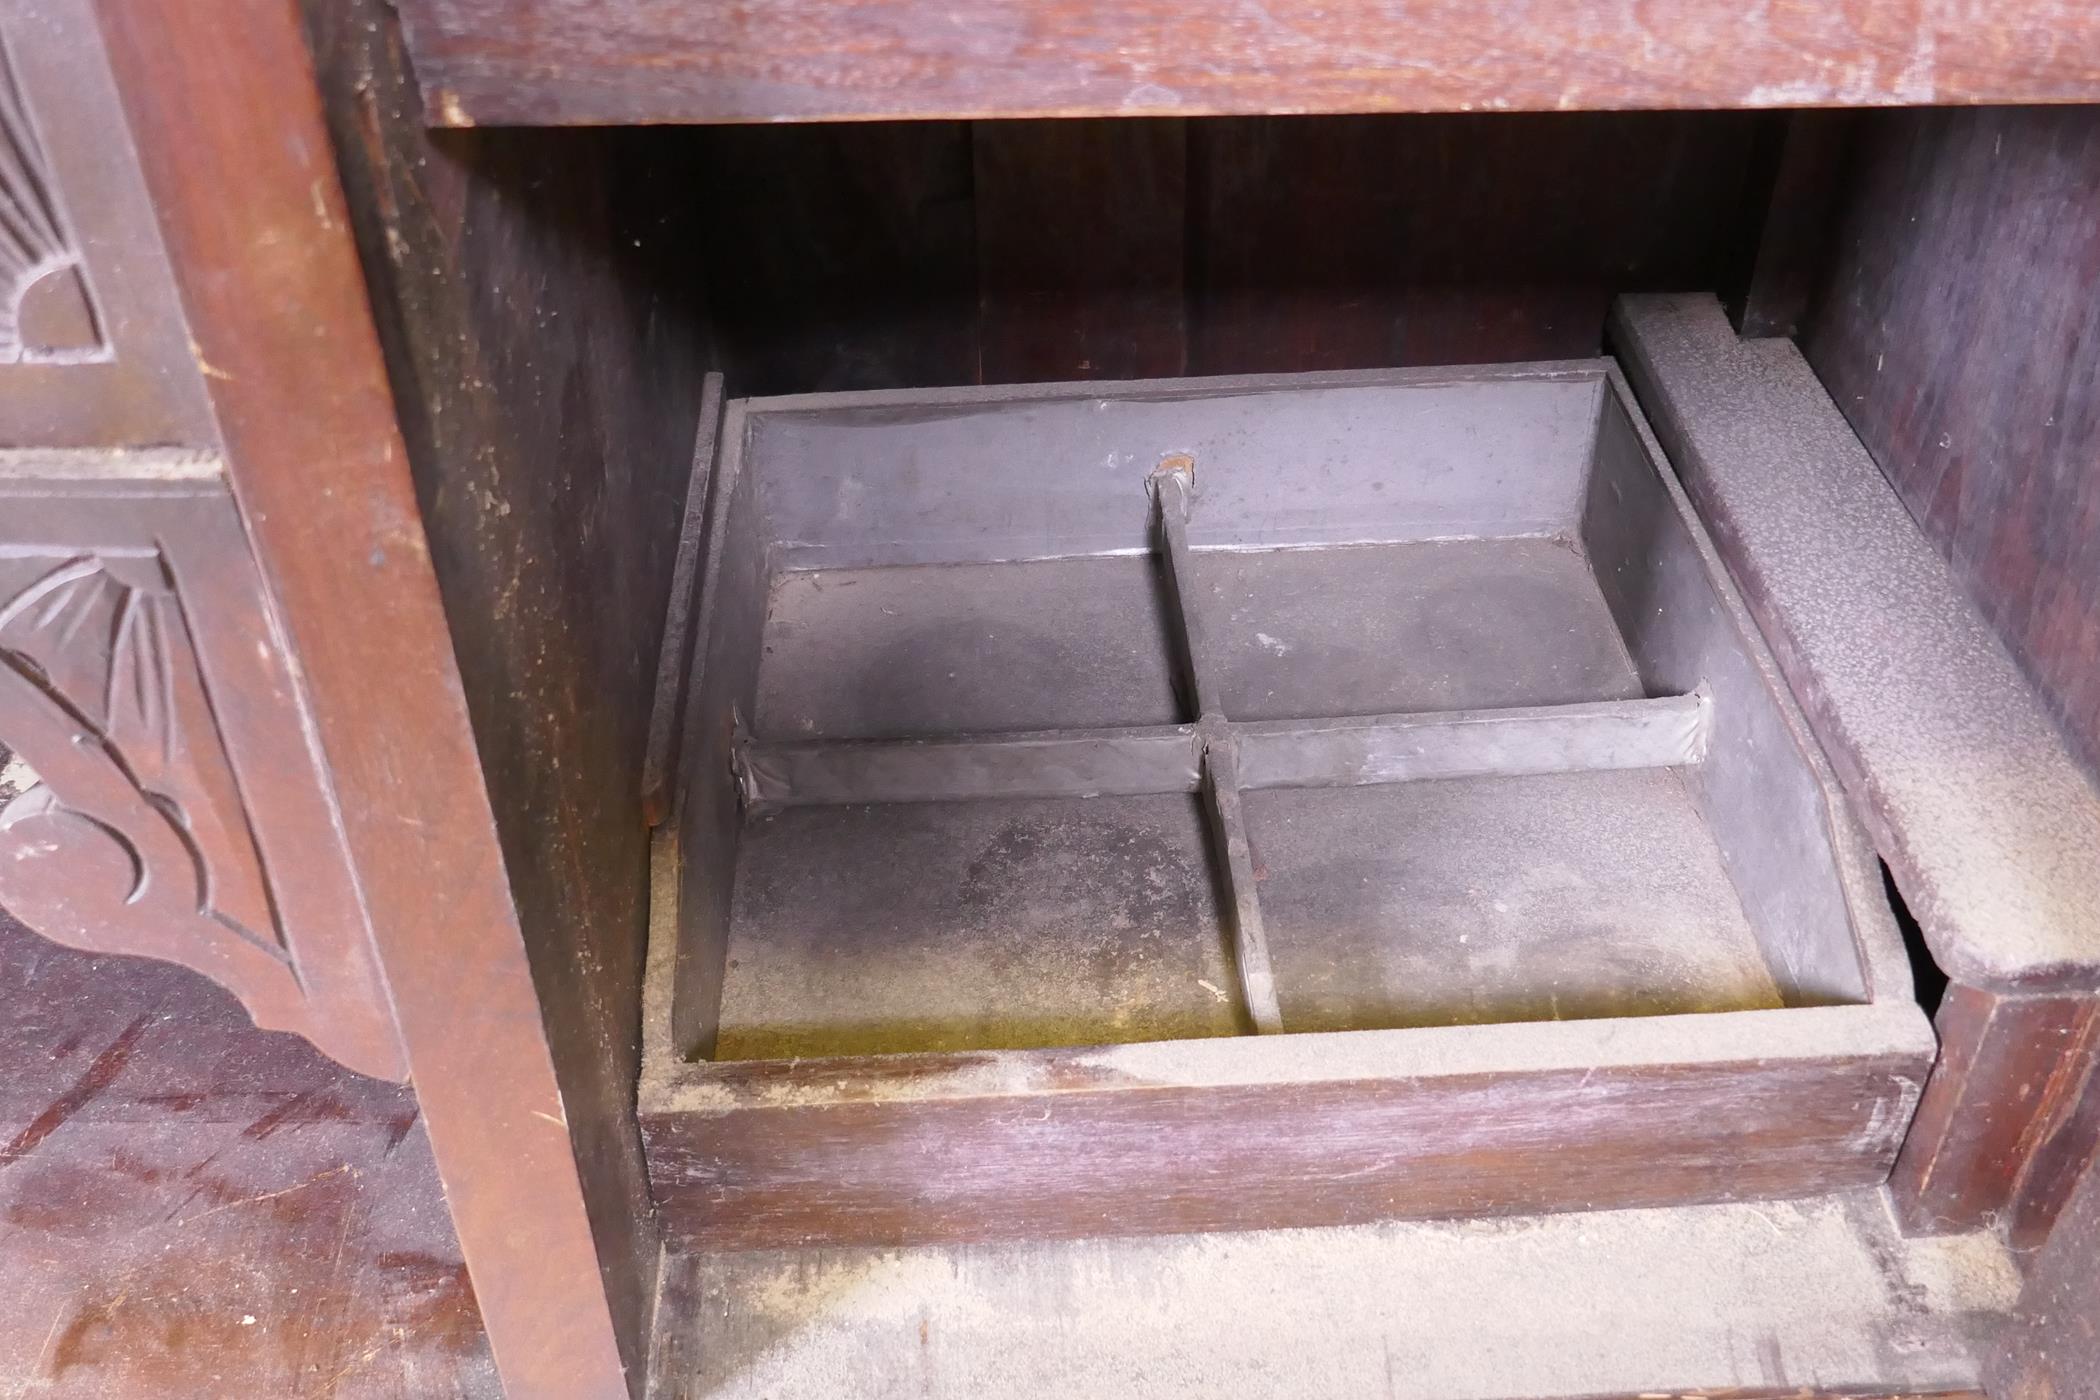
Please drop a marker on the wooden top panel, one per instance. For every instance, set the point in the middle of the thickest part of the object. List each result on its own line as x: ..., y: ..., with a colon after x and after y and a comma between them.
x: 555, y: 62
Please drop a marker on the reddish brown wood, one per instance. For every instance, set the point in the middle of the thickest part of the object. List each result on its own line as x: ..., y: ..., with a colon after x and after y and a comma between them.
x: 2065, y: 1142
x: 193, y: 1207
x: 1957, y: 332
x: 92, y: 345
x: 883, y: 1162
x: 165, y: 799
x: 1758, y: 1392
x: 552, y: 61
x: 261, y: 244
x: 535, y: 297
x: 1081, y: 229
x: 1795, y: 1393
x: 2003, y: 1121
x: 168, y: 799
x: 892, y: 255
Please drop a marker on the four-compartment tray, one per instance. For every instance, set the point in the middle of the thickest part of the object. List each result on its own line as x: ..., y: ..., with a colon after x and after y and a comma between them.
x: 1231, y: 803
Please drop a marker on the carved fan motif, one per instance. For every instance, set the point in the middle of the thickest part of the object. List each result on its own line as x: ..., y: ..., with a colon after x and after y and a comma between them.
x: 47, y: 315
x: 121, y: 824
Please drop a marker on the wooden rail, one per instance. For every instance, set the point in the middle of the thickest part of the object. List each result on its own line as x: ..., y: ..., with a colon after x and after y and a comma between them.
x: 553, y: 62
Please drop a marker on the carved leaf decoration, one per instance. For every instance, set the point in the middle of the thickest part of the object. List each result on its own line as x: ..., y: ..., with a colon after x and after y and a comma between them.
x: 47, y: 312
x: 102, y: 697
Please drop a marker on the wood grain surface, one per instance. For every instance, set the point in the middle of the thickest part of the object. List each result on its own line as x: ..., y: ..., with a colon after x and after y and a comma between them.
x: 168, y: 800
x: 1257, y: 1133
x: 2007, y: 1122
x: 1351, y: 242
x: 887, y: 255
x: 192, y: 1207
x: 2051, y: 1348
x: 537, y: 62
x: 1956, y: 329
x: 534, y: 297
x: 1081, y: 238
x: 260, y: 239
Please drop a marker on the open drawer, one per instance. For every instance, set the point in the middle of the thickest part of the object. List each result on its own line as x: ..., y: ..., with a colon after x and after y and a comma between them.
x: 1244, y: 802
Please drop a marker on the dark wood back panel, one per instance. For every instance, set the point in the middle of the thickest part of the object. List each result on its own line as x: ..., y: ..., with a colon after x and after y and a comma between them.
x: 546, y: 363
x: 1959, y: 329
x: 1347, y: 242
x: 839, y: 257
x: 912, y: 254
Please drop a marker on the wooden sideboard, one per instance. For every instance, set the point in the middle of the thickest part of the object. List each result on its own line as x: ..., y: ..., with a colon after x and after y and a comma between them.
x: 351, y: 372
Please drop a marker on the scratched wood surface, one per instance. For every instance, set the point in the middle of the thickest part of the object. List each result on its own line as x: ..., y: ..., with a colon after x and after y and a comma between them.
x: 905, y: 1149
x: 535, y: 62
x: 193, y: 1207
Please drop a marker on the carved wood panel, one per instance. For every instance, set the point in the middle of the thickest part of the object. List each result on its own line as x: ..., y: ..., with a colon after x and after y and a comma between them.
x: 94, y: 351
x: 47, y: 315
x: 160, y: 795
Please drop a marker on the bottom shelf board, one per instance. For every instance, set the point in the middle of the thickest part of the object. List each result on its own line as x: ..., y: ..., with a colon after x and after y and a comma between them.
x: 1763, y: 1298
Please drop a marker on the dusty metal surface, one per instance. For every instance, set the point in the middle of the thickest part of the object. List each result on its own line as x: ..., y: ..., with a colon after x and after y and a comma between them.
x: 869, y: 932
x: 1173, y: 486
x: 1556, y: 897
x: 966, y: 649
x: 1797, y: 856
x: 1236, y: 1132
x: 885, y: 605
x: 1141, y: 1126
x: 1666, y: 732
x: 1382, y: 629
x: 1059, y: 470
x: 943, y: 926
x: 893, y: 605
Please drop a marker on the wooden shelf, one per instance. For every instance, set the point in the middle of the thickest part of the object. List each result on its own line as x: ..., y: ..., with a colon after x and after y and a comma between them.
x: 561, y: 62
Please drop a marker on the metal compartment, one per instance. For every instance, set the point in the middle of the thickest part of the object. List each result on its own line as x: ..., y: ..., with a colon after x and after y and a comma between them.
x: 1383, y: 704
x: 1452, y: 630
